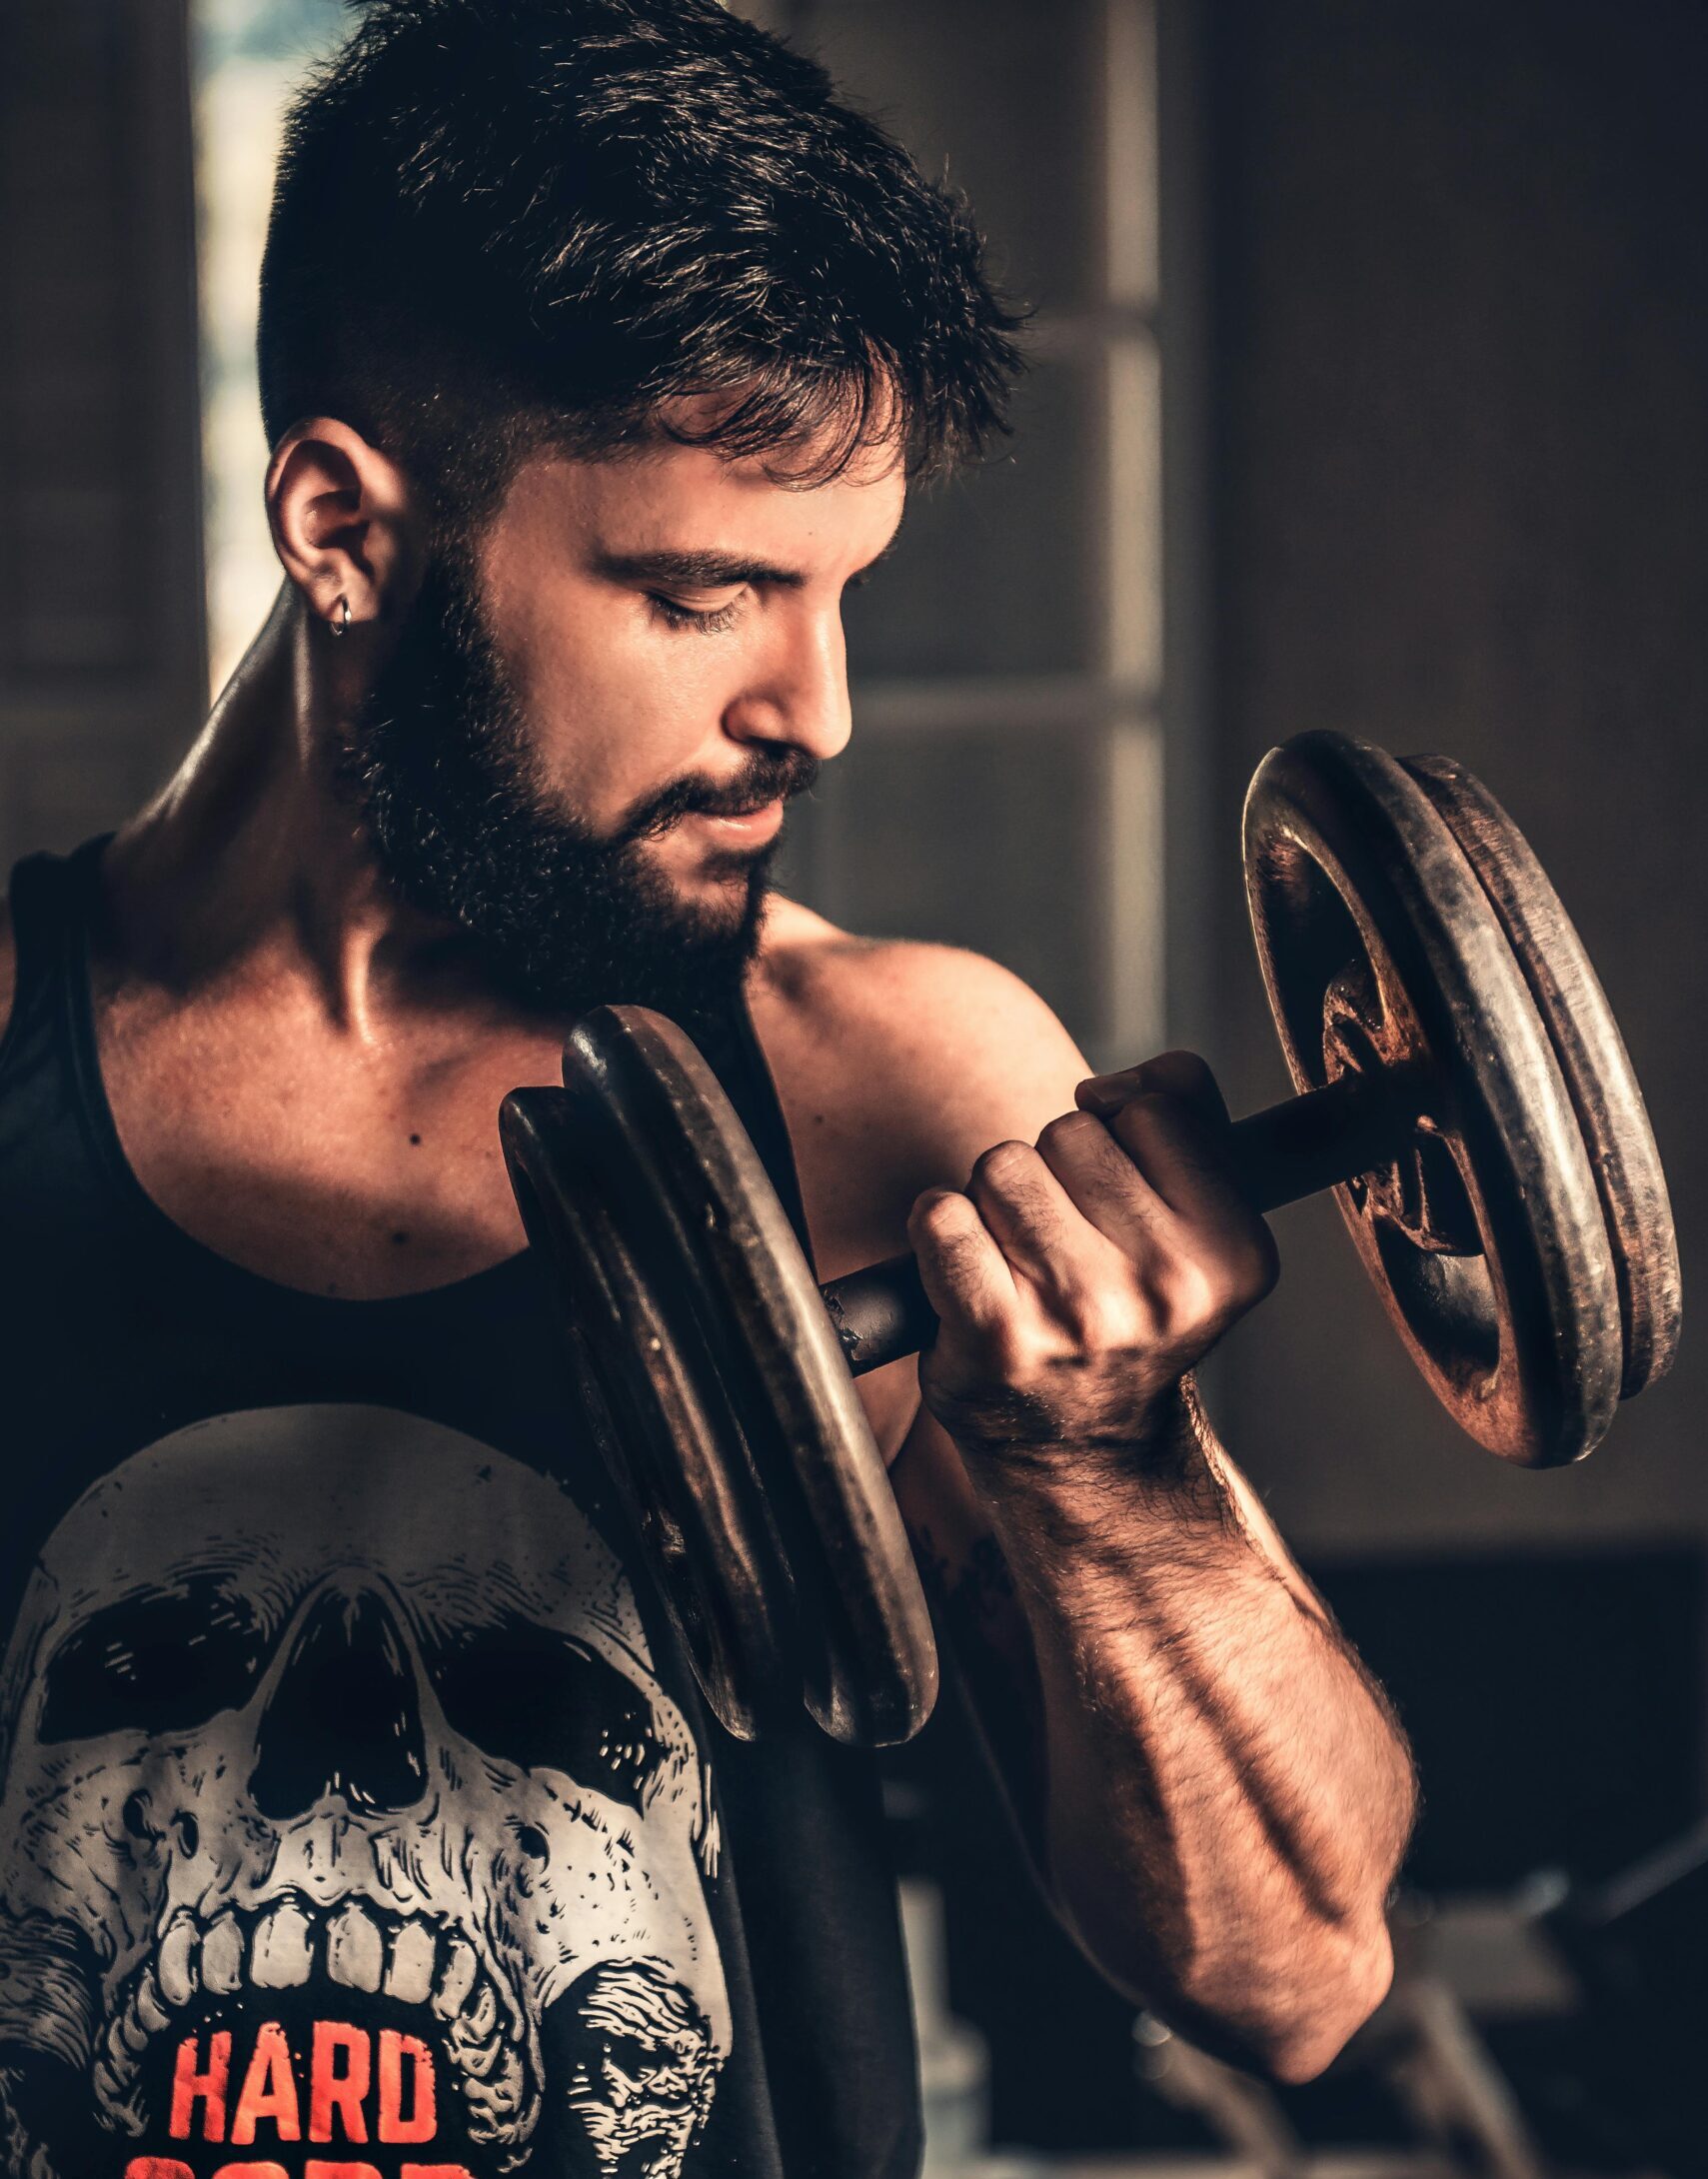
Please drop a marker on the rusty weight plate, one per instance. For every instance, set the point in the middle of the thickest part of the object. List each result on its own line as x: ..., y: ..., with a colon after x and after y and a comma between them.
x: 1600, y: 1077
x: 732, y: 1424
x: 1383, y: 949
x: 700, y: 1523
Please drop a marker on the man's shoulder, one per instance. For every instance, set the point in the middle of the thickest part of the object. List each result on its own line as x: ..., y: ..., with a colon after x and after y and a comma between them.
x: 900, y: 1060
x: 900, y: 1002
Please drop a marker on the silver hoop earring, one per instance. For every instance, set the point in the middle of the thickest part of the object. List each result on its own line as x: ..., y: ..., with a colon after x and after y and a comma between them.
x: 342, y: 627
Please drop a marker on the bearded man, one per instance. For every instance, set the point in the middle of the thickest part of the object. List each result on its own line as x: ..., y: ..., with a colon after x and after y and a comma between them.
x: 358, y: 1815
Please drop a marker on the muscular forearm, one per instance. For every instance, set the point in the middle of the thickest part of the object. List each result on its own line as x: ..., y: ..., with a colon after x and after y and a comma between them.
x: 1222, y: 1797
x: 1226, y: 1795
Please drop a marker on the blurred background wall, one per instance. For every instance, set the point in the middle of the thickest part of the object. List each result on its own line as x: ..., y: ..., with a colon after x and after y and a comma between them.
x: 102, y: 648
x: 1459, y: 462
x: 1458, y: 474
x: 1368, y: 393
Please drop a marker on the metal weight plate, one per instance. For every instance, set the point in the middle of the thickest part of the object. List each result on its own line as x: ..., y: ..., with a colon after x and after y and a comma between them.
x: 1592, y: 1053
x: 682, y: 1475
x: 1381, y: 948
x: 715, y: 1273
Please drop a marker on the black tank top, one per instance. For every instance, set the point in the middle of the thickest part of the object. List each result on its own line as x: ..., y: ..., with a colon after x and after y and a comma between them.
x: 359, y: 1818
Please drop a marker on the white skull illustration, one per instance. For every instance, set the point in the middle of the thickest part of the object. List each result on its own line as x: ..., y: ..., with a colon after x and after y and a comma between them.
x: 335, y: 1696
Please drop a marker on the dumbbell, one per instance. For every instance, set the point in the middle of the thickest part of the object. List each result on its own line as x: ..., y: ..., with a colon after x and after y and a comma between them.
x: 1462, y: 1087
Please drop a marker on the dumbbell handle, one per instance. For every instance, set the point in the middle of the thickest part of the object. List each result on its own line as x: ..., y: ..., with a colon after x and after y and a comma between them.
x: 1279, y: 1155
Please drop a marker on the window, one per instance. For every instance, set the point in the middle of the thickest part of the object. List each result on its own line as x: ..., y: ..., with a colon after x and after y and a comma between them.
x: 248, y: 58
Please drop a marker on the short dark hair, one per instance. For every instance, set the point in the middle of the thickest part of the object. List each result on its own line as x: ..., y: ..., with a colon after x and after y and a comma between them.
x: 500, y: 224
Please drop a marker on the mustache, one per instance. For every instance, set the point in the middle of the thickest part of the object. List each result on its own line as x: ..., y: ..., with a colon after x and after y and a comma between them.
x: 768, y: 776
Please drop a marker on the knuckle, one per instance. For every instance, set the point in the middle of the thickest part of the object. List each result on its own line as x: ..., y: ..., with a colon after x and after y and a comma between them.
x: 1184, y: 1070
x: 932, y: 1207
x: 1147, y: 1106
x: 940, y: 1217
x: 1188, y: 1082
x: 1195, y: 1296
x: 1206, y: 1293
x: 1145, y: 1129
x: 1153, y: 1298
x: 949, y: 1236
x: 1109, y: 1322
x: 1069, y: 1128
x: 1003, y: 1163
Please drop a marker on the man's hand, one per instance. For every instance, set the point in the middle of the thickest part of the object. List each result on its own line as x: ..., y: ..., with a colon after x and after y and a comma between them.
x: 1078, y: 1280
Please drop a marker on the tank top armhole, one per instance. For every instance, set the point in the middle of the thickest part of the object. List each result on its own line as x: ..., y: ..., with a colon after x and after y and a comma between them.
x: 770, y: 1130
x: 40, y: 900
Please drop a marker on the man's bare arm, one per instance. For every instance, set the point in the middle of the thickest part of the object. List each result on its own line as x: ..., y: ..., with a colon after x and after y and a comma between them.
x: 1215, y: 1794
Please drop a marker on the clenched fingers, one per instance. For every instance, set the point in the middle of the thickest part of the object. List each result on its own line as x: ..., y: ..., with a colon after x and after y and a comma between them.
x: 965, y: 1274
x: 1107, y: 1185
x: 1179, y: 1075
x: 1171, y: 1121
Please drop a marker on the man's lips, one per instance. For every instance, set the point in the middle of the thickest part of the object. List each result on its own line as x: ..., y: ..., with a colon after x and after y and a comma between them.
x: 750, y: 827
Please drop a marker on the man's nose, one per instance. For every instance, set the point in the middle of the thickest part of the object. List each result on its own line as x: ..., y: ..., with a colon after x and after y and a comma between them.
x: 801, y: 693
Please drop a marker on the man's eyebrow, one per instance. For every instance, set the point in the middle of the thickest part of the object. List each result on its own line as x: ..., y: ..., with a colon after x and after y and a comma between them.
x: 708, y: 569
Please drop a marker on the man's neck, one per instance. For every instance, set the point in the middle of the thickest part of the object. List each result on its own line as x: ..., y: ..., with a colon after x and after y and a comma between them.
x: 251, y: 867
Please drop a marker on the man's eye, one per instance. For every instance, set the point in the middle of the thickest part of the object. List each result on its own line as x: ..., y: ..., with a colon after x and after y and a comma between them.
x: 674, y: 614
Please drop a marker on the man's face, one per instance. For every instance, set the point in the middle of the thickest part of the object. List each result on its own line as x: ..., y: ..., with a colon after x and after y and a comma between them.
x: 582, y: 747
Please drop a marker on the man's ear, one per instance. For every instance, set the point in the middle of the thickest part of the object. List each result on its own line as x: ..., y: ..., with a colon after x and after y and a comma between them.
x: 345, y: 523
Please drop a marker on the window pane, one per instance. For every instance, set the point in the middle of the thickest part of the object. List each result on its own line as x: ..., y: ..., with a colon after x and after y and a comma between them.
x: 250, y: 56
x: 1000, y: 570
x: 81, y: 494
x: 1001, y: 90
x: 985, y: 839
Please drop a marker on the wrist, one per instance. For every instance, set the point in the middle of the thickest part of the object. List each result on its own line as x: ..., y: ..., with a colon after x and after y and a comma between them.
x: 1102, y: 1492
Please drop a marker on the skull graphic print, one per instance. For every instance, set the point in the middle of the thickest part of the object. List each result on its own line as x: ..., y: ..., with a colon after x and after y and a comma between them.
x: 346, y: 1831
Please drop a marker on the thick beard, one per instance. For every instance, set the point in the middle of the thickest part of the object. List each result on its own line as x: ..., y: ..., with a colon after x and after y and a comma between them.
x: 439, y: 765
